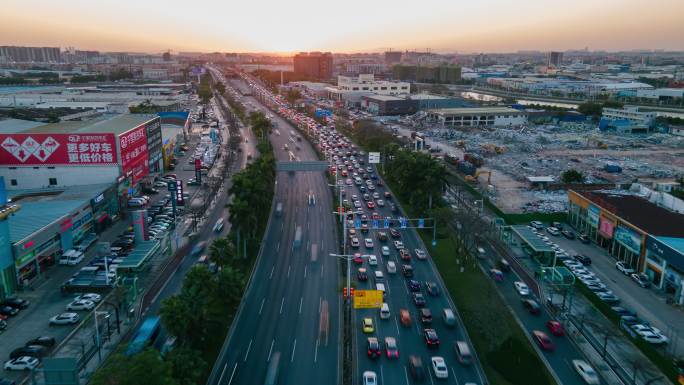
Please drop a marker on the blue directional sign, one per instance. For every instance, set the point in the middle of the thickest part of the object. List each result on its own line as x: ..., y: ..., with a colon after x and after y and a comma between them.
x: 402, y: 222
x: 357, y: 223
x: 375, y: 223
x: 421, y: 223
x: 385, y: 223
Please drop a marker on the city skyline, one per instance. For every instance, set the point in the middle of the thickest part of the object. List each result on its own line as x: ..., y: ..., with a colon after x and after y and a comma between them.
x: 610, y: 26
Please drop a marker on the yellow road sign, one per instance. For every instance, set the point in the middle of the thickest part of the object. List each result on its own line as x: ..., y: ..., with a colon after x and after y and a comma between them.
x: 367, y: 299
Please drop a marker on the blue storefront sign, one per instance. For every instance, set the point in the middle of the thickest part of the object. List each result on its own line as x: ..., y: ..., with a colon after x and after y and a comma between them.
x: 593, y: 214
x: 628, y: 238
x: 667, y: 253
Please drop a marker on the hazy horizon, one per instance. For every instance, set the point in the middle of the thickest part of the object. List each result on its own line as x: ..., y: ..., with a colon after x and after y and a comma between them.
x: 260, y: 27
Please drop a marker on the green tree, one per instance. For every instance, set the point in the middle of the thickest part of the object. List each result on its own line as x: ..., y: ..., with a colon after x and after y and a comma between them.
x: 230, y: 283
x: 572, y: 176
x: 293, y: 95
x: 590, y: 109
x: 187, y: 365
x: 220, y: 88
x: 52, y: 117
x: 146, y: 368
x: 222, y: 251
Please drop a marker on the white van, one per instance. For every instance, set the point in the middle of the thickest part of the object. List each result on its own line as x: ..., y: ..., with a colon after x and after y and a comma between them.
x: 384, y: 311
x: 449, y: 317
x: 391, y: 267
x: 379, y: 277
x: 71, y: 257
x: 463, y: 352
x: 381, y: 287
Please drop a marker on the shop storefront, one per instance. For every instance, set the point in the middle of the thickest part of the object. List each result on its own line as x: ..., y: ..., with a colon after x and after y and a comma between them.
x: 154, y: 145
x: 627, y: 246
x: 606, y: 231
x: 665, y: 265
x: 105, y: 207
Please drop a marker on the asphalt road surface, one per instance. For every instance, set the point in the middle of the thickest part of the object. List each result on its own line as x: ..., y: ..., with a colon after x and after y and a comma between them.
x: 290, y: 288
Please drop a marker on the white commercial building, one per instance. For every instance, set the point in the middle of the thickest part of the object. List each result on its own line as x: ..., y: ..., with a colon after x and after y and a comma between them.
x: 351, y: 89
x: 628, y: 119
x: 478, y: 117
x: 661, y: 93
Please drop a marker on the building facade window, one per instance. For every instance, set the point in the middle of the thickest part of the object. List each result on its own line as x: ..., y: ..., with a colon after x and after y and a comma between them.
x: 53, y: 181
x: 13, y: 182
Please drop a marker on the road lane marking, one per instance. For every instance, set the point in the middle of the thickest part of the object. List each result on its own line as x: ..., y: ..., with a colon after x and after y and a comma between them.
x: 454, y: 373
x: 249, y: 347
x: 262, y: 305
x: 281, y: 305
x: 304, y: 271
x: 278, y: 246
x: 231, y: 374
x: 406, y: 375
x: 272, y: 270
x: 382, y: 377
x: 322, y: 272
x: 294, y: 347
x: 397, y: 325
x: 316, y: 351
x: 288, y: 271
x: 270, y: 351
x: 320, y: 301
x: 223, y: 372
x: 301, y: 300
x: 430, y: 373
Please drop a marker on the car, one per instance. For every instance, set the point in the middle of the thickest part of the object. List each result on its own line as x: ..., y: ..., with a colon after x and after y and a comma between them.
x: 432, y: 288
x: 418, y: 299
x: 368, y: 242
x: 608, y: 297
x: 537, y: 225
x: 3, y: 324
x: 404, y: 254
x: 407, y: 270
x: 624, y: 268
x: 654, y: 338
x: 555, y: 327
x: 521, y: 288
x: 367, y: 325
x: 391, y: 348
x: 553, y: 231
x: 370, y: 378
x: 16, y: 302
x: 391, y: 267
x: 395, y: 233
x: 385, y: 251
x: 36, y: 351
x: 621, y: 311
x: 641, y: 280
x: 361, y: 274
x: 90, y: 297
x: 425, y: 316
x: 405, y: 317
x: 531, y: 305
x: 382, y: 236
x: 161, y: 184
x: 46, y: 341
x: 82, y: 304
x: 439, y: 367
x: 355, y: 242
x: 431, y: 338
x: 413, y: 285
x: 415, y: 367
x: 584, y: 238
x: 64, y: 319
x: 543, y: 340
x: 357, y: 259
x: 398, y: 245
x: 420, y: 253
x: 583, y: 259
x: 585, y: 371
x: 380, y: 203
x: 22, y: 363
x: 645, y: 328
x: 8, y: 311
x: 568, y: 234
x: 372, y: 260
x: 379, y: 276
x: 373, y: 347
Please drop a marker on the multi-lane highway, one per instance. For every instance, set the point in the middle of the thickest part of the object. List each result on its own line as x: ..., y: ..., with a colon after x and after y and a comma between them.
x: 291, y: 287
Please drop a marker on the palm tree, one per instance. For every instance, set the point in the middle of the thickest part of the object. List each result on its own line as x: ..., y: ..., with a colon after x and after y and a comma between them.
x: 222, y: 252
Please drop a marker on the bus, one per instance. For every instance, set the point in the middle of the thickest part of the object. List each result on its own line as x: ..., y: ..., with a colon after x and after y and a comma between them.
x: 298, y: 237
x: 145, y: 336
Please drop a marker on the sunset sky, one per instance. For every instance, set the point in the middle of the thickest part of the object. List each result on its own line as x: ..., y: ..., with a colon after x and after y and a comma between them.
x: 344, y: 26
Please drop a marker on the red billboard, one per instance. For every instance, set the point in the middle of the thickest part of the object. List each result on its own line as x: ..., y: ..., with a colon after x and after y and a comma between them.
x: 57, y: 149
x: 134, y: 156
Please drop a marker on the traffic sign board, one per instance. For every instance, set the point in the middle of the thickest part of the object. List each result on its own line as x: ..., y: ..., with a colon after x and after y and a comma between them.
x: 373, y: 157
x: 367, y: 299
x: 421, y: 223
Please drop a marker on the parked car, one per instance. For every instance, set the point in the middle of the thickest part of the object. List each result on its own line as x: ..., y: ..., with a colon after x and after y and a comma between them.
x: 8, y: 311
x: 46, y: 341
x: 641, y: 280
x: 64, y: 319
x: 568, y: 234
x: 22, y: 363
x: 624, y: 268
x: 36, y: 351
x: 583, y: 259
x: 553, y: 231
x: 16, y: 302
x: 583, y: 238
x: 81, y: 304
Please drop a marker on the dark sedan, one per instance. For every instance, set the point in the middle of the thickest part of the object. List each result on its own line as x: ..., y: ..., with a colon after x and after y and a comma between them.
x: 16, y: 302
x: 8, y: 310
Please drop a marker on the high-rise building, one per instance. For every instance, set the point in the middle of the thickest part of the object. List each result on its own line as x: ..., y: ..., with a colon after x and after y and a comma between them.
x: 392, y: 57
x: 555, y: 59
x: 31, y: 54
x: 315, y: 65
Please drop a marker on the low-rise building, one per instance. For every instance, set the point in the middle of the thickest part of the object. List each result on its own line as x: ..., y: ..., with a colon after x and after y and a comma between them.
x: 478, y: 117
x: 385, y: 105
x: 627, y: 120
x: 643, y: 229
x: 350, y: 89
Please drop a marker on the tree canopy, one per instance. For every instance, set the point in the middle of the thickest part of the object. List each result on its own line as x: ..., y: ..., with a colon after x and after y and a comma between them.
x: 572, y: 176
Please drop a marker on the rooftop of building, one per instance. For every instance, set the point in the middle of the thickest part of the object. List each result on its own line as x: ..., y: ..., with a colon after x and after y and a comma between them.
x: 117, y: 124
x: 40, y: 208
x: 384, y: 98
x: 640, y: 212
x: 428, y: 97
x: 475, y: 110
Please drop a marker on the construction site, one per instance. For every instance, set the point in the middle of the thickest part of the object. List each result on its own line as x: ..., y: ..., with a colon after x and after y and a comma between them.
x: 520, y: 168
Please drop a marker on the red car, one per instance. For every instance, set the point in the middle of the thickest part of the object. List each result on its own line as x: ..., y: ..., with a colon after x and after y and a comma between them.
x: 405, y: 255
x: 555, y: 327
x: 370, y: 205
x: 375, y: 215
x: 357, y: 259
x: 373, y: 347
x: 543, y: 340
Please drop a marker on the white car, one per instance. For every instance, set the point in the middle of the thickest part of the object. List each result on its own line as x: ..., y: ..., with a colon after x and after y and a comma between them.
x: 585, y: 371
x: 420, y: 253
x: 385, y: 251
x: 64, y: 319
x: 639, y: 328
x: 22, y: 363
x: 521, y: 288
x: 654, y: 338
x: 81, y: 304
x: 439, y: 367
x: 370, y: 378
x: 368, y: 242
x: 89, y: 297
x: 160, y: 184
x: 391, y: 267
x: 380, y: 203
x: 372, y: 260
x: 398, y: 245
x: 623, y: 268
